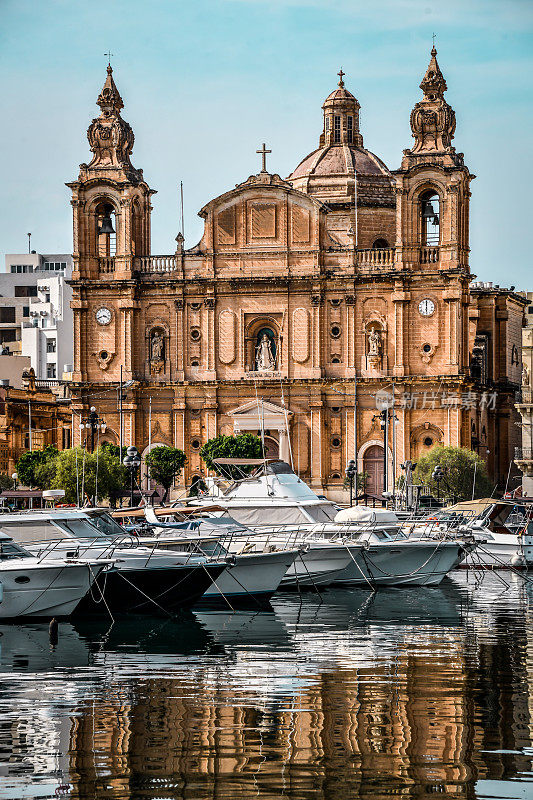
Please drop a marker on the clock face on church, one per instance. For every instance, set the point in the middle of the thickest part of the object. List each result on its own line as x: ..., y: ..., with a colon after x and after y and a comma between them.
x: 426, y: 307
x: 103, y: 316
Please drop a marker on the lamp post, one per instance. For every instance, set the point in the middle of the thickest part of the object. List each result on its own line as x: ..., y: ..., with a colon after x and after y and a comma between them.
x: 15, y: 478
x: 351, y: 473
x: 132, y: 462
x: 437, y: 475
x: 93, y: 423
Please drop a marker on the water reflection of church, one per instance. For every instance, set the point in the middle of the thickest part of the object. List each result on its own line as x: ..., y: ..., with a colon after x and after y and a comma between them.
x: 382, y: 720
x: 296, y: 285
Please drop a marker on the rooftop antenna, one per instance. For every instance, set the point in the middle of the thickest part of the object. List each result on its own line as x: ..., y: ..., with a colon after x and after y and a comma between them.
x: 29, y: 242
x: 108, y: 56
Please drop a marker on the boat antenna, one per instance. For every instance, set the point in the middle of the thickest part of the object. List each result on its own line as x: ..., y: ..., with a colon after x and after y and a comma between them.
x: 181, y: 206
x: 474, y: 481
x: 508, y: 476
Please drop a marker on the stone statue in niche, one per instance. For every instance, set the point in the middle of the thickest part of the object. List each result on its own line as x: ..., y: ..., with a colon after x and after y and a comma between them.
x: 525, y: 375
x: 264, y: 359
x: 374, y: 343
x: 157, y: 351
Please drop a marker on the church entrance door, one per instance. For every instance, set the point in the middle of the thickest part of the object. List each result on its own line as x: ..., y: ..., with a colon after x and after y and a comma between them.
x: 271, y: 447
x: 373, y: 466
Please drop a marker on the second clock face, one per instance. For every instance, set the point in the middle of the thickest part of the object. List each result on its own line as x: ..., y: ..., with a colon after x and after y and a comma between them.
x: 103, y: 316
x: 426, y: 307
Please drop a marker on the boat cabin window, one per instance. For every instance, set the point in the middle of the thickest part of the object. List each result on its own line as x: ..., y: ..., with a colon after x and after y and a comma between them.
x: 106, y: 524
x: 11, y: 550
x: 80, y: 529
x: 35, y: 530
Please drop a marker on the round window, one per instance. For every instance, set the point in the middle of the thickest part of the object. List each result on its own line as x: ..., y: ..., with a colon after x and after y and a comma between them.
x: 103, y: 355
x: 336, y: 302
x: 427, y: 348
x: 428, y: 441
x: 335, y: 360
x: 195, y: 334
x: 335, y: 409
x: 336, y: 441
x: 195, y: 306
x: 335, y: 331
x: 335, y: 476
x: 195, y: 363
x: 195, y: 444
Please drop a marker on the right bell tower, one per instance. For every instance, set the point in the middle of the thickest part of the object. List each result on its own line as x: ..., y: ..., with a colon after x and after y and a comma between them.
x: 432, y: 187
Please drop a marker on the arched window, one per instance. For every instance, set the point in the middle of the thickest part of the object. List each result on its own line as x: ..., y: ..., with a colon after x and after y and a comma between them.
x: 349, y: 129
x: 380, y: 244
x: 336, y: 129
x: 106, y: 230
x: 430, y: 216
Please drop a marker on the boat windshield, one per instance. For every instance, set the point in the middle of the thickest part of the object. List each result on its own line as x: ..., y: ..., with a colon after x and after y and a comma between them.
x: 81, y: 529
x: 105, y: 524
x: 32, y: 530
x: 11, y: 550
x: 325, y: 512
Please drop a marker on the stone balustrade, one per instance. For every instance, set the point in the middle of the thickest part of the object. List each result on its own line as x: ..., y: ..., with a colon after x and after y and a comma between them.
x: 429, y: 255
x: 155, y: 263
x: 376, y: 257
x: 106, y: 264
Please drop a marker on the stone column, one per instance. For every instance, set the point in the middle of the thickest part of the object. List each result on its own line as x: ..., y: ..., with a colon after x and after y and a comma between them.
x: 401, y: 336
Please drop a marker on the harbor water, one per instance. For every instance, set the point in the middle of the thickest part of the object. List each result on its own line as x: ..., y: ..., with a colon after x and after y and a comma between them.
x: 401, y: 693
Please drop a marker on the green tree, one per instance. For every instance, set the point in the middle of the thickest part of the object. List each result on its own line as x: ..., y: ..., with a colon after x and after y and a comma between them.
x: 245, y: 445
x: 459, y: 465
x: 75, y: 471
x: 163, y: 464
x: 30, y: 461
x: 6, y: 482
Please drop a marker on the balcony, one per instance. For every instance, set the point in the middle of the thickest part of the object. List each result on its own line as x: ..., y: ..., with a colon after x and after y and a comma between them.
x: 523, y: 454
x: 429, y: 255
x: 158, y: 264
x: 376, y: 257
x: 106, y: 265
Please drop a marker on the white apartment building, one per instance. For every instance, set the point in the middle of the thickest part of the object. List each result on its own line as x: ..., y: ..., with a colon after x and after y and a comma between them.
x: 35, y: 315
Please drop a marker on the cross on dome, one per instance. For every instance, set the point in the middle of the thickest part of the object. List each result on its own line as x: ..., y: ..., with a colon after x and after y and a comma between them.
x: 341, y: 75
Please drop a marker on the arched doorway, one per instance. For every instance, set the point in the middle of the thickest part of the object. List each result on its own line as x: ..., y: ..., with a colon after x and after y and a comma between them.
x: 373, y: 467
x: 271, y: 447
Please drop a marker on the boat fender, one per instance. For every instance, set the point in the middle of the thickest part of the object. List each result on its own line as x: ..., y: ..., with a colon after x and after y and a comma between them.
x: 517, y: 560
x: 1, y: 591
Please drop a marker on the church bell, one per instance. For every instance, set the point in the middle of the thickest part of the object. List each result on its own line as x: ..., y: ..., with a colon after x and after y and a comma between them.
x: 106, y: 226
x: 428, y: 211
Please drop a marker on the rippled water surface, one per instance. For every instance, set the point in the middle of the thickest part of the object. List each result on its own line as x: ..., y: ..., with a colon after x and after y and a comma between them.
x: 401, y: 693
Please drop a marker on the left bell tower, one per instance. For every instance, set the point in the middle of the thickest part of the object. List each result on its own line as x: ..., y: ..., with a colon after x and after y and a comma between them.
x: 110, y: 200
x: 111, y: 205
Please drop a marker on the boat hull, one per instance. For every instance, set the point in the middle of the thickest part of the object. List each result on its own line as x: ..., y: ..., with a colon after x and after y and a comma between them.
x: 405, y: 564
x: 145, y: 590
x: 317, y: 566
x: 49, y: 590
x: 253, y: 576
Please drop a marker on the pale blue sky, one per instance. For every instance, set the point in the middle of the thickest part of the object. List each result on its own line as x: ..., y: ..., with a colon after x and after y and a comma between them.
x: 204, y: 82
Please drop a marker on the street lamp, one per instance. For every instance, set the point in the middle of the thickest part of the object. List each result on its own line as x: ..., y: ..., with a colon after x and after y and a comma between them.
x: 132, y: 462
x: 15, y: 478
x: 437, y: 475
x: 93, y: 423
x: 351, y: 473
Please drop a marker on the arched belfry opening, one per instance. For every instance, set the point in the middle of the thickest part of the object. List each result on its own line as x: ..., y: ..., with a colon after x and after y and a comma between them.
x: 106, y: 229
x: 429, y: 209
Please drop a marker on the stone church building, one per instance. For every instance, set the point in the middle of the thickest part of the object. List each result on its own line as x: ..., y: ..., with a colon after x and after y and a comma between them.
x: 305, y: 296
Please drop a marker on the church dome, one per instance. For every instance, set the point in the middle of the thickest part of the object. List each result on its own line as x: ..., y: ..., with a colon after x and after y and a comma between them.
x: 344, y: 159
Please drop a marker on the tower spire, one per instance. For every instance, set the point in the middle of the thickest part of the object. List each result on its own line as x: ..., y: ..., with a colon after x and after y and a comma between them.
x: 432, y: 119
x: 110, y: 137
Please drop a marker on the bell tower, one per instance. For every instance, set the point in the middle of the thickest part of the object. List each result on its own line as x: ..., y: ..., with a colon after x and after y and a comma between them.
x: 111, y: 237
x: 432, y: 185
x: 110, y: 200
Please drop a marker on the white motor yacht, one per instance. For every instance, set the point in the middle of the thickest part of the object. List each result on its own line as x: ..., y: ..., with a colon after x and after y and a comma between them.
x: 142, y: 579
x: 276, y: 503
x: 34, y: 587
x: 504, y: 529
x: 311, y: 563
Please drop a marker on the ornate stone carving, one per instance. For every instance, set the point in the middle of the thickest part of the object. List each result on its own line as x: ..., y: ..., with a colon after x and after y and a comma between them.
x: 209, y: 302
x: 432, y: 119
x: 264, y: 357
x: 110, y: 137
x: 157, y: 351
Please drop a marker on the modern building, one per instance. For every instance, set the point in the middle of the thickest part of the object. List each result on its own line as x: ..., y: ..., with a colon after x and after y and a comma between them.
x: 35, y: 315
x: 524, y: 453
x: 304, y: 298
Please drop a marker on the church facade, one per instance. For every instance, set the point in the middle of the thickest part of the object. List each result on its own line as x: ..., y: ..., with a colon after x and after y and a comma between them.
x: 305, y: 297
